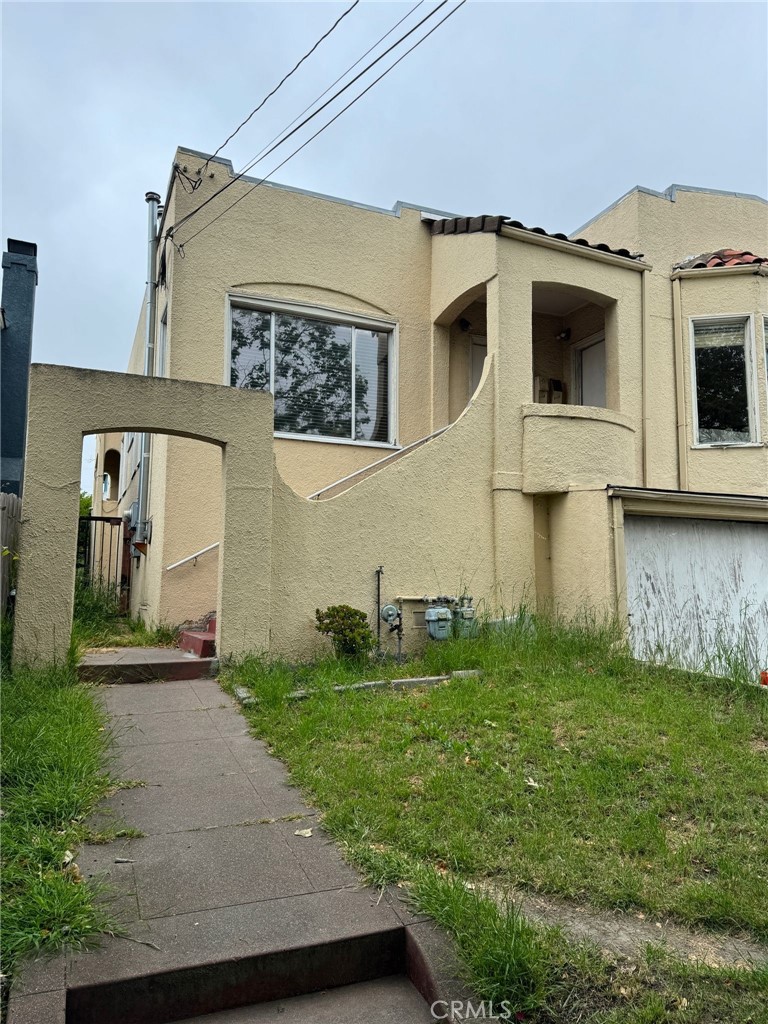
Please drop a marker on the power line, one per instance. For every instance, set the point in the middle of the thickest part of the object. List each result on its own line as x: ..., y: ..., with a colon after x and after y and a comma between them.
x: 320, y: 130
x: 263, y: 156
x: 344, y: 74
x: 282, y: 82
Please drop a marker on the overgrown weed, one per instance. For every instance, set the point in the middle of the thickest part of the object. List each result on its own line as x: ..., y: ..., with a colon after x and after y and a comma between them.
x: 54, y: 754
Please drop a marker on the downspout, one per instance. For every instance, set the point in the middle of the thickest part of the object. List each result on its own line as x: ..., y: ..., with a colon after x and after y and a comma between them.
x: 644, y: 337
x: 682, y: 450
x: 153, y: 200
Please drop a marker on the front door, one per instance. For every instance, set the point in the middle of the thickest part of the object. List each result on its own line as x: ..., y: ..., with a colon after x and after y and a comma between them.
x: 592, y: 374
x: 479, y: 350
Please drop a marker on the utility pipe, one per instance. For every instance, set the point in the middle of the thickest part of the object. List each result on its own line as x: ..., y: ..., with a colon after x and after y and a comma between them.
x: 379, y: 574
x: 682, y: 448
x: 644, y: 341
x: 153, y: 200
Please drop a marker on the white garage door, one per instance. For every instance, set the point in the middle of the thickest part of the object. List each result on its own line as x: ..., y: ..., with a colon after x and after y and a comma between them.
x: 697, y: 592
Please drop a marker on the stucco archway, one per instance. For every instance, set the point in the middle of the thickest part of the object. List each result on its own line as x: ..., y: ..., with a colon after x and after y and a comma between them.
x: 65, y: 404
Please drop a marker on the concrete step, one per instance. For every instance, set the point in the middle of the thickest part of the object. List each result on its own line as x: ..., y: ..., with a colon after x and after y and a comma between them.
x: 201, y: 643
x: 390, y: 1000
x: 194, y: 968
x: 144, y: 665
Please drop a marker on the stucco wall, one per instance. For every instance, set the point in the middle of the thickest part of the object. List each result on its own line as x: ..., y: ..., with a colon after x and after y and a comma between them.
x: 572, y: 448
x: 617, y: 291
x: 288, y: 245
x: 668, y: 230
x: 427, y: 519
x: 65, y: 403
x: 581, y: 554
x: 310, y: 250
x: 737, y: 470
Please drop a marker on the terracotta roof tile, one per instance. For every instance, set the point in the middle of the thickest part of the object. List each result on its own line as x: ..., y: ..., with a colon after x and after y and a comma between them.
x: 470, y: 225
x: 721, y: 258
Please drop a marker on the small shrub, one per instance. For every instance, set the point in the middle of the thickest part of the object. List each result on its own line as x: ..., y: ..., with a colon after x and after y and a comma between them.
x: 348, y: 629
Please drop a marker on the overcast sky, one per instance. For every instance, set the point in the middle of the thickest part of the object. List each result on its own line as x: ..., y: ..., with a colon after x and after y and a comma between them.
x: 546, y: 112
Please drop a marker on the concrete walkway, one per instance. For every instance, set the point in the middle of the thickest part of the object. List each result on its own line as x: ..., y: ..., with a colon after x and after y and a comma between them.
x: 224, y: 904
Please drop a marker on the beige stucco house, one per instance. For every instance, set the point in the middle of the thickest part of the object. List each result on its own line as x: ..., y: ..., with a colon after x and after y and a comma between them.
x: 477, y: 406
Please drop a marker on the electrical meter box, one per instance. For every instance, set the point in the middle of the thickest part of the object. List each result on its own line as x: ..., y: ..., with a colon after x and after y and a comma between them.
x: 438, y: 619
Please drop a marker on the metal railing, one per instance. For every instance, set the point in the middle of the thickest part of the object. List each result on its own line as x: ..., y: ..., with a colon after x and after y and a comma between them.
x: 373, y: 467
x: 191, y: 558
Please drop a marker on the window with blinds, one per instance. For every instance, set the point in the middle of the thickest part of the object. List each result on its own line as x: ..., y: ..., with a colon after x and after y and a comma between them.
x: 721, y: 380
x: 329, y: 380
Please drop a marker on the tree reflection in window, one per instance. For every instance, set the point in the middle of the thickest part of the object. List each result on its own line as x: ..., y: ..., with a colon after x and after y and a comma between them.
x: 313, y: 373
x: 313, y: 377
x: 251, y: 342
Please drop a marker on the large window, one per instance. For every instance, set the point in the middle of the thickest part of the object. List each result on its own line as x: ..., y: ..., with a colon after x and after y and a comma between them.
x: 722, y: 376
x: 330, y: 379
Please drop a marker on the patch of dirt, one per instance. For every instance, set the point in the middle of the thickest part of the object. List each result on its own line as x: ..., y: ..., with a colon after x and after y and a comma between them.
x: 625, y: 935
x: 680, y: 832
x: 759, y: 746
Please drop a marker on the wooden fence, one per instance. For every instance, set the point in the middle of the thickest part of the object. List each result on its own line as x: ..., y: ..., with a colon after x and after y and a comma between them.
x: 10, y: 517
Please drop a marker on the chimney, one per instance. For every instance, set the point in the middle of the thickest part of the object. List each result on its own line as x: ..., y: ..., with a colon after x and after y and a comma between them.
x: 18, y: 306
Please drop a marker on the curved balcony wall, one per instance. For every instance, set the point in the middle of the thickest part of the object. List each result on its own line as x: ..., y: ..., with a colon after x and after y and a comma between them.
x: 569, y: 447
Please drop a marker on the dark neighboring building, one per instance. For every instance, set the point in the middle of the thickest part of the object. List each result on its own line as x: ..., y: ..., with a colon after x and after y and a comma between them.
x: 18, y: 306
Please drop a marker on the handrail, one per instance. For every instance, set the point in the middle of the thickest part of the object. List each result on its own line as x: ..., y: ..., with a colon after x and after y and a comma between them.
x: 392, y: 457
x: 191, y: 558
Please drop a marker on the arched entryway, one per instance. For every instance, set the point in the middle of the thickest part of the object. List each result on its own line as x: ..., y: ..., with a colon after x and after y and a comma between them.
x: 67, y: 403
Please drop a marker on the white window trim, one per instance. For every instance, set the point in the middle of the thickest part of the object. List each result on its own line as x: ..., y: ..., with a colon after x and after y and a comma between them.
x: 577, y: 348
x: 121, y: 484
x: 748, y: 320
x: 240, y: 300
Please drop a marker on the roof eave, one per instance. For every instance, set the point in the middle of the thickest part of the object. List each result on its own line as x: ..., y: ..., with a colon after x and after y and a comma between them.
x: 574, y: 249
x: 760, y: 269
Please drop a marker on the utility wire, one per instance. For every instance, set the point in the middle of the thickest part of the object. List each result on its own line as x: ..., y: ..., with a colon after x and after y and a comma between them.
x: 306, y: 120
x: 282, y: 82
x: 344, y: 74
x: 320, y: 130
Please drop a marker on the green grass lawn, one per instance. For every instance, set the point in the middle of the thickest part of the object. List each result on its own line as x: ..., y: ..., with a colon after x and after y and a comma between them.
x: 567, y: 769
x: 53, y: 758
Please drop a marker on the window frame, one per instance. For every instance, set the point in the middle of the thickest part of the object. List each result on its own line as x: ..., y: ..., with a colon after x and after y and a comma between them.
x: 264, y: 304
x: 748, y: 322
x: 129, y: 439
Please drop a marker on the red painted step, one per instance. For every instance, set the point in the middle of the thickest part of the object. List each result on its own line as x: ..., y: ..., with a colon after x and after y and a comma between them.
x: 199, y: 642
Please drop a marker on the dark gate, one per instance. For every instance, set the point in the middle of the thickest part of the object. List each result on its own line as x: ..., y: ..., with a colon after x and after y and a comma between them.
x: 104, y: 555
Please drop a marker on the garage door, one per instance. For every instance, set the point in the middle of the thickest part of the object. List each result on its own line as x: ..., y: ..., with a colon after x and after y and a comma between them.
x: 697, y: 592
